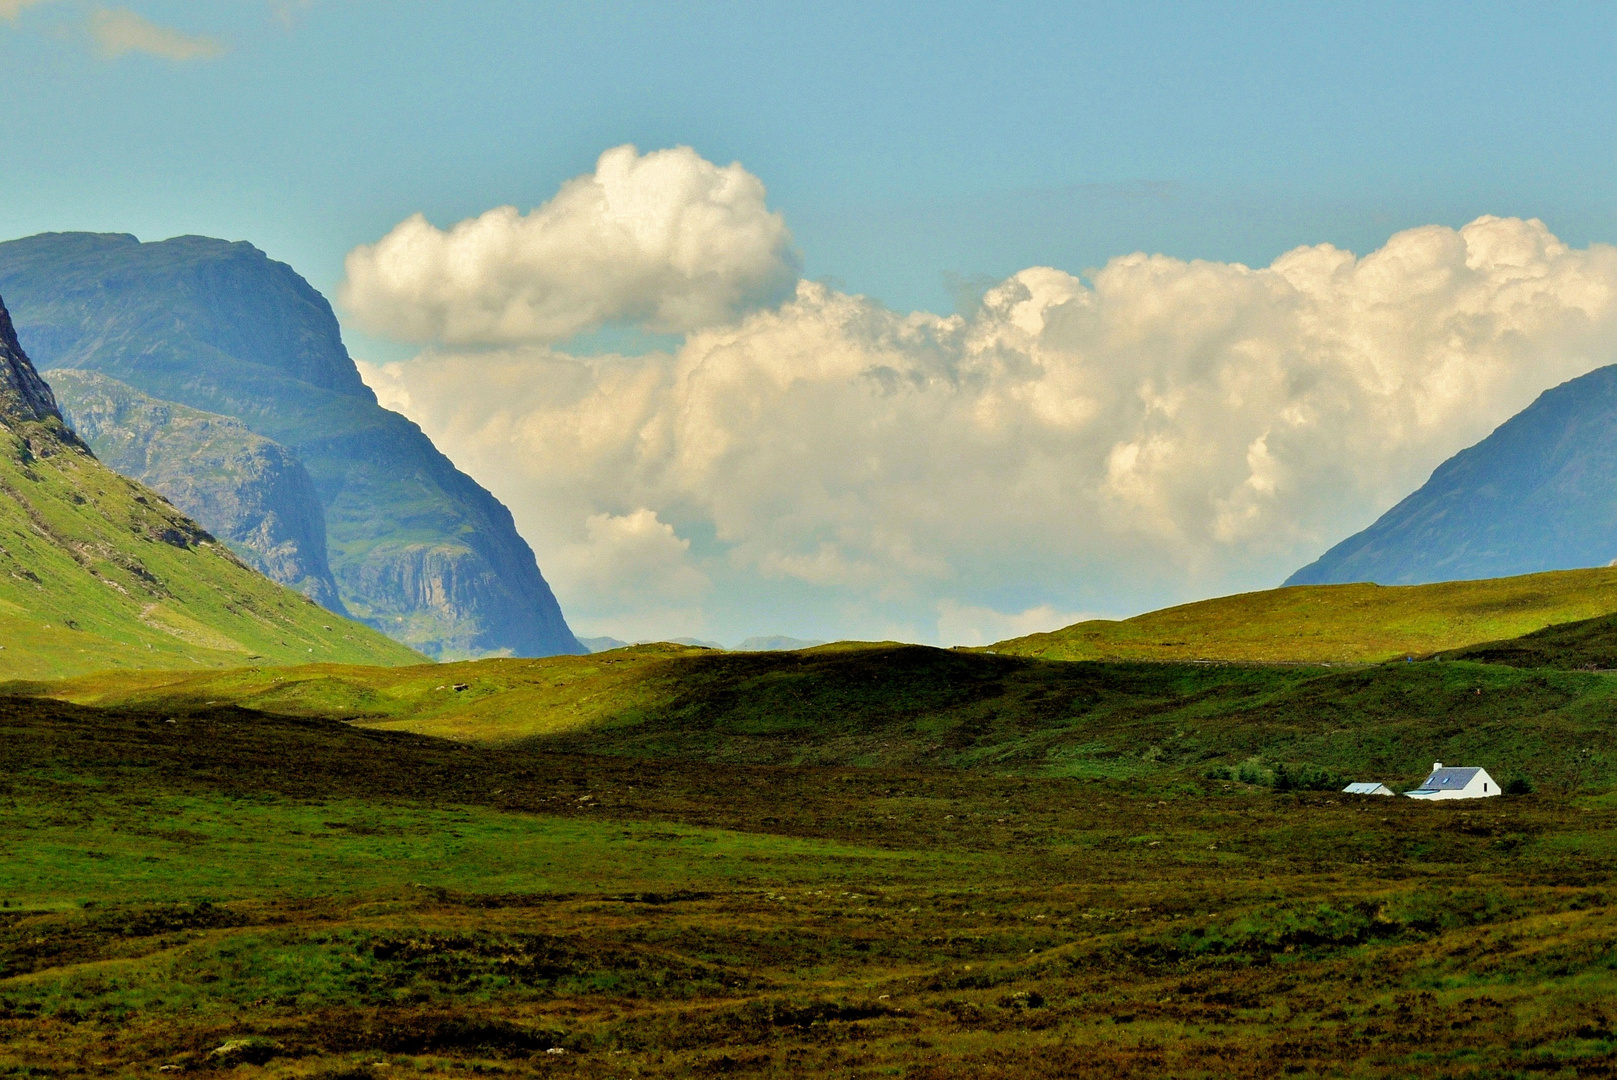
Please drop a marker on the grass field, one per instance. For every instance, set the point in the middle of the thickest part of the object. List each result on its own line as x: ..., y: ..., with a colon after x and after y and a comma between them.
x: 1336, y: 623
x: 297, y: 897
x: 858, y: 860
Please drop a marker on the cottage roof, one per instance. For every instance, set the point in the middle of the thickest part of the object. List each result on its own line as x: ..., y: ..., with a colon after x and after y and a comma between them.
x: 1362, y: 789
x: 1449, y: 779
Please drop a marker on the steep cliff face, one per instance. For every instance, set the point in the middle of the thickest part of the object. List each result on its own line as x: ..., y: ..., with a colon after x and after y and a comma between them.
x: 219, y: 327
x: 98, y: 571
x: 25, y: 397
x: 250, y: 492
x: 1540, y: 493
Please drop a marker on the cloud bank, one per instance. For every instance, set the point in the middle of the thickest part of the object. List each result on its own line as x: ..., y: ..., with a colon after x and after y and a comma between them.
x: 1165, y: 430
x: 665, y: 240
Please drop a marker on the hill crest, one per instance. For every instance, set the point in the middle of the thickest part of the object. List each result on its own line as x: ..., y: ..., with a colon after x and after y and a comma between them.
x: 1350, y: 623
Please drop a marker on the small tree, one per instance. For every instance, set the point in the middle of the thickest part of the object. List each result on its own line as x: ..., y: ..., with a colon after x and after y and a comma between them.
x: 1519, y: 786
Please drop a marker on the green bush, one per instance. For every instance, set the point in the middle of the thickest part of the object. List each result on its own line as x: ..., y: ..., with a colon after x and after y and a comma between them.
x: 1306, y: 778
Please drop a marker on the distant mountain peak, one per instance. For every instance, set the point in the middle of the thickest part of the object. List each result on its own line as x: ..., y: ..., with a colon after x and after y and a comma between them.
x: 1539, y: 493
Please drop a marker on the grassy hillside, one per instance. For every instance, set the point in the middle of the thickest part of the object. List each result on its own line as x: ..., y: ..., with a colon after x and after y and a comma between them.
x: 239, y: 894
x: 1336, y: 623
x: 98, y: 572
x: 896, y: 706
x: 1585, y: 645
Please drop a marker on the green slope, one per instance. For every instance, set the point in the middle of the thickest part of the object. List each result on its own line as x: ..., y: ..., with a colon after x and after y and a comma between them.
x: 1585, y: 645
x: 97, y: 571
x: 905, y: 706
x: 1360, y: 623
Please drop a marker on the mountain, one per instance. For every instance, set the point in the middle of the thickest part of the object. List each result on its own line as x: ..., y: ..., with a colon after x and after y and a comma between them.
x: 1360, y: 623
x: 775, y: 643
x: 415, y: 547
x: 1540, y: 493
x: 97, y: 571
x: 252, y: 493
x: 694, y: 643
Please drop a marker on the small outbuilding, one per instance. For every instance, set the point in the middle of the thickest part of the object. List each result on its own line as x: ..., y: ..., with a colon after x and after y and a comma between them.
x: 1455, y: 783
x: 1368, y: 789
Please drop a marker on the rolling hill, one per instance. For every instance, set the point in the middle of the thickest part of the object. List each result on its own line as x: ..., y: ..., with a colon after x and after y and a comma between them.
x: 97, y: 571
x: 1535, y: 495
x: 884, y: 705
x: 1359, y: 623
x: 416, y: 548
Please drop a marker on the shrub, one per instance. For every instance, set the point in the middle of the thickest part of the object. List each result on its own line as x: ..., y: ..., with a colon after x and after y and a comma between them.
x: 1252, y: 771
x: 1519, y: 786
x: 1305, y: 778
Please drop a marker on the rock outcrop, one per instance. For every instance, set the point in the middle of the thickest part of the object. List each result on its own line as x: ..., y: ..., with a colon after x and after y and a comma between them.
x: 24, y: 395
x: 416, y: 547
x: 250, y: 492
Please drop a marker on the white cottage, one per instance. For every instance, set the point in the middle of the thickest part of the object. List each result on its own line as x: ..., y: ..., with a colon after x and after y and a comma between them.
x: 1368, y: 789
x: 1455, y: 783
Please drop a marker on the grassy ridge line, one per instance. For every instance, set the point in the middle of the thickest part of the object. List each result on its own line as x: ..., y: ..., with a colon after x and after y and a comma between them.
x: 885, y: 706
x: 1586, y: 645
x: 1361, y: 623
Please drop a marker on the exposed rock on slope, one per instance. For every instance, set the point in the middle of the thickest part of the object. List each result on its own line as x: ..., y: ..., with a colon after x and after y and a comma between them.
x: 1540, y: 493
x: 97, y: 571
x: 245, y: 489
x: 416, y: 547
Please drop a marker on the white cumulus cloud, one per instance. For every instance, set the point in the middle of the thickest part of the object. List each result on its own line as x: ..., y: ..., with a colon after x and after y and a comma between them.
x: 1164, y: 430
x: 630, y: 557
x: 666, y: 240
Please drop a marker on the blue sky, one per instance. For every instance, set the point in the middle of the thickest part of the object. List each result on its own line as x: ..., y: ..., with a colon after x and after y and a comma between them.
x: 918, y: 154
x: 906, y: 144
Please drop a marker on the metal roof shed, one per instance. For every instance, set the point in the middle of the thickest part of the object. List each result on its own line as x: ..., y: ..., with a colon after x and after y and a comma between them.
x: 1368, y: 789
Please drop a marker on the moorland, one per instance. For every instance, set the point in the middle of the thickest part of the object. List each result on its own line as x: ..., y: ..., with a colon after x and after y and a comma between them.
x: 858, y: 860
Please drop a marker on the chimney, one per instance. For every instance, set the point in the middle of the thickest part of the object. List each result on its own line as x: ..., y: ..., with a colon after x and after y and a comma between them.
x: 1436, y: 765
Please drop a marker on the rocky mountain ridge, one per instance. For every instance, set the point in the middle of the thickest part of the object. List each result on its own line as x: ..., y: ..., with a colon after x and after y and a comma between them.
x: 251, y: 492
x: 98, y: 571
x: 415, y: 547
